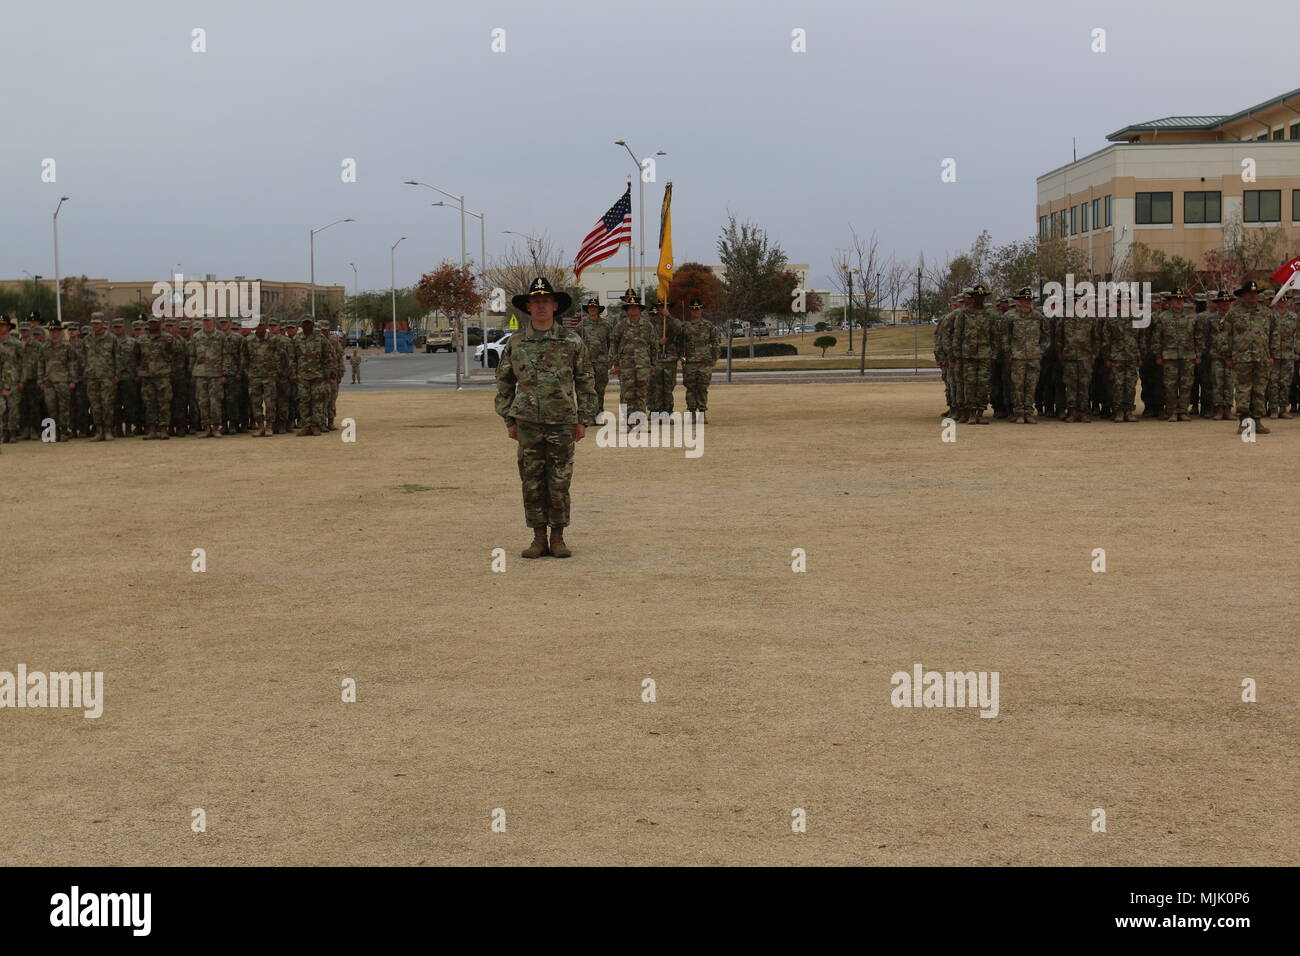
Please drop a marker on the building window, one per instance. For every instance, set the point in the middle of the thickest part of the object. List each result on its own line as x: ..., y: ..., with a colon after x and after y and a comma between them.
x: 1154, y: 208
x: 1096, y: 213
x: 1262, y: 205
x: 1295, y: 205
x: 1083, y: 217
x: 1277, y: 133
x: 1202, y: 207
x: 1295, y: 130
x: 1042, y: 226
x: 1074, y: 220
x: 1107, y: 201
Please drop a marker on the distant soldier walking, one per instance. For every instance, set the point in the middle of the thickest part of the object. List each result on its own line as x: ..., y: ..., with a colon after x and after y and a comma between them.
x: 354, y: 360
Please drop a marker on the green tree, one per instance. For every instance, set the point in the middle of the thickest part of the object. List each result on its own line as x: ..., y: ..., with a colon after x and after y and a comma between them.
x: 753, y: 264
x: 824, y: 342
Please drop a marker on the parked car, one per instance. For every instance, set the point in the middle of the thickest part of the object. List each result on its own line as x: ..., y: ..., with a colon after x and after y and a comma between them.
x: 494, y: 351
x: 494, y: 334
x: 804, y: 328
x: 761, y: 330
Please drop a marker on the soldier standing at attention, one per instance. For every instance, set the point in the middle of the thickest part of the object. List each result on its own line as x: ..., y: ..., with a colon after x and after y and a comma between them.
x: 1179, y: 354
x: 155, y: 371
x: 1122, y: 351
x: 58, y: 381
x: 1078, y: 344
x: 546, y: 393
x: 663, y: 374
x: 100, y: 381
x: 291, y: 337
x: 1248, y: 355
x: 283, y: 373
x: 32, y: 336
x: 208, y: 352
x: 1000, y: 374
x: 595, y: 333
x: 1282, y: 335
x: 312, y: 367
x: 701, y: 342
x: 11, y: 344
x: 1222, y: 384
x: 975, y: 337
x: 942, y: 351
x: 126, y: 398
x: 335, y: 377
x: 231, y: 368
x: 182, y: 385
x: 1024, y: 340
x: 632, y: 349
x: 9, y: 372
x: 262, y: 357
x: 354, y: 359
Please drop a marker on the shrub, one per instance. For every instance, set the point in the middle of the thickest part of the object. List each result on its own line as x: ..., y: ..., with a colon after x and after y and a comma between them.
x: 824, y: 342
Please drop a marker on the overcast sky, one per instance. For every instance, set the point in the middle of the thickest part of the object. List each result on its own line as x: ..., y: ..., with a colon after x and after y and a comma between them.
x: 222, y: 161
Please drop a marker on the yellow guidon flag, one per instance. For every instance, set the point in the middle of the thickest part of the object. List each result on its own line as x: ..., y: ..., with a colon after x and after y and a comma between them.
x: 665, y: 269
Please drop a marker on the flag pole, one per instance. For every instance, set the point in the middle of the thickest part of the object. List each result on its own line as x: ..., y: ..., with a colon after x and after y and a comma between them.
x: 629, y: 241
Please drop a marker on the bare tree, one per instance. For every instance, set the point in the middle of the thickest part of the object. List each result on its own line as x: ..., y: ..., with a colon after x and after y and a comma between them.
x: 514, y: 271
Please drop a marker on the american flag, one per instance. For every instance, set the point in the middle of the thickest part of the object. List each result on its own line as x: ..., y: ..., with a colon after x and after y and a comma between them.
x: 611, y: 231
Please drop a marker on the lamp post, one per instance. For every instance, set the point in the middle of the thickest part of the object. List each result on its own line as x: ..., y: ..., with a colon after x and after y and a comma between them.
x: 58, y: 292
x: 313, y: 263
x: 392, y: 285
x: 464, y: 356
x: 355, y: 293
x: 482, y: 253
x: 640, y: 190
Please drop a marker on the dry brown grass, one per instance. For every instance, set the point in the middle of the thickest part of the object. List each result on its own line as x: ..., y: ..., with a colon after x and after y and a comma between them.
x: 522, y: 690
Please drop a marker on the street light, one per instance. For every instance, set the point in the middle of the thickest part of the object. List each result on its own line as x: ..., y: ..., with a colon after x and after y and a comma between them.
x: 392, y: 285
x: 58, y: 293
x: 313, y: 263
x: 640, y: 189
x: 355, y: 293
x: 461, y: 200
x: 482, y: 252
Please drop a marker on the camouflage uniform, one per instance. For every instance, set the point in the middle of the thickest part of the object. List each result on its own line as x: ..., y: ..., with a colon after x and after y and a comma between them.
x: 12, y: 346
x: 33, y: 397
x: 208, y: 355
x: 58, y: 376
x: 335, y: 376
x: 1221, y: 378
x: 126, y: 398
x: 1178, y: 350
x: 663, y: 374
x: 262, y: 364
x: 155, y: 369
x: 1024, y: 340
x: 232, y: 369
x: 289, y: 407
x: 545, y: 386
x: 80, y: 404
x: 632, y: 349
x: 354, y: 360
x: 100, y: 380
x: 284, y: 385
x: 312, y: 366
x: 1247, y: 327
x: 974, y: 335
x: 184, y: 396
x: 596, y: 334
x: 1149, y: 373
x: 1078, y: 344
x: 10, y: 370
x: 1122, y: 348
x: 946, y: 360
x: 1282, y: 341
x: 701, y: 343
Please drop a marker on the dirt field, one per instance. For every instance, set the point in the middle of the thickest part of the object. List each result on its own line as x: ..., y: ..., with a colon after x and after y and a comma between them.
x: 479, y: 690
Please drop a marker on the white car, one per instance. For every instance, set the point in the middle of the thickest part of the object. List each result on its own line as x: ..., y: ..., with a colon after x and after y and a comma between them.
x: 494, y: 351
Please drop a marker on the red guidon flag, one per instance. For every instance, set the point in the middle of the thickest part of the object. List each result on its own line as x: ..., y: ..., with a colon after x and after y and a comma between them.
x: 611, y: 231
x: 1287, y: 277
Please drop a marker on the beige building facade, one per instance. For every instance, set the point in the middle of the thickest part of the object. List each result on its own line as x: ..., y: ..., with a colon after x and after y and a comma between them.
x: 1179, y: 185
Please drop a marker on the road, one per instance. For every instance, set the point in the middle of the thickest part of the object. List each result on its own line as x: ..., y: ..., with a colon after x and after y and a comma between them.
x: 391, y: 373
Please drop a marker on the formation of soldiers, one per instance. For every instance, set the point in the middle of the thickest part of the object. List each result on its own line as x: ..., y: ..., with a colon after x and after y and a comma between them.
x: 646, y: 348
x: 164, y: 377
x: 1214, y: 356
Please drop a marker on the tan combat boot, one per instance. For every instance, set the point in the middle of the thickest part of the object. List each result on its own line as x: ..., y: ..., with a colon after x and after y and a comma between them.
x: 558, y: 548
x: 1184, y: 417
x: 539, y: 547
x: 1031, y: 419
x: 1261, y: 428
x: 101, y: 435
x: 315, y: 430
x: 304, y: 431
x: 1118, y: 417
